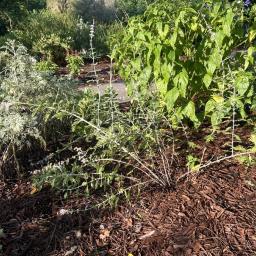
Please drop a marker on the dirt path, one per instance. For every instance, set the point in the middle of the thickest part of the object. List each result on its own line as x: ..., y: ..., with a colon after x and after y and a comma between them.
x: 103, y: 68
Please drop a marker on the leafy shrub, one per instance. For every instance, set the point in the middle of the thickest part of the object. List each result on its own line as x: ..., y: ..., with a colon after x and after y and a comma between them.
x: 132, y: 7
x: 114, y: 34
x: 102, y: 11
x: 74, y: 64
x: 46, y: 66
x: 117, y: 144
x: 190, y: 55
x: 23, y: 92
x: 50, y: 33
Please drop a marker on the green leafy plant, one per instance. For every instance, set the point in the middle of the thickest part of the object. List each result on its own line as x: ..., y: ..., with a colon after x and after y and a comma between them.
x: 189, y: 53
x: 132, y: 7
x: 51, y: 34
x: 23, y: 93
x: 121, y: 146
x: 53, y: 47
x: 74, y: 64
x: 46, y: 66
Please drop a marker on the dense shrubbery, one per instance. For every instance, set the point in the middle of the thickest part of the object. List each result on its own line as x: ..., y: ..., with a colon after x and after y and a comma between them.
x: 63, y: 25
x: 129, y: 8
x: 196, y: 56
x: 74, y: 64
x: 47, y: 66
x: 23, y: 92
x: 13, y: 12
x: 52, y: 34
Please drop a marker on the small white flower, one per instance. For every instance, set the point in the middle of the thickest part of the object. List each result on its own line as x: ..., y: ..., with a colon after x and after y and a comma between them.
x: 62, y: 212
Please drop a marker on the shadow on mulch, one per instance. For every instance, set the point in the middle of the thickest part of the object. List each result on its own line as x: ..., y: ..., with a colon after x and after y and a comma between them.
x: 212, y: 214
x: 32, y: 225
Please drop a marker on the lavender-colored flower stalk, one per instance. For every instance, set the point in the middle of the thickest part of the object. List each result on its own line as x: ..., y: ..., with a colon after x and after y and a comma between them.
x: 247, y: 3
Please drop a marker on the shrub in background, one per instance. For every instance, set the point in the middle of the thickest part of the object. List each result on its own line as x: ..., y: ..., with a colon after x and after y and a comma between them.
x: 74, y: 64
x: 101, y: 11
x: 129, y: 8
x: 51, y: 34
x: 46, y: 66
x: 13, y: 12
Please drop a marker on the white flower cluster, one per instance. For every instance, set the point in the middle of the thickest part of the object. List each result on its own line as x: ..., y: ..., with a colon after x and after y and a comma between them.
x: 81, y: 155
x: 62, y: 212
x: 92, y: 30
x: 51, y: 166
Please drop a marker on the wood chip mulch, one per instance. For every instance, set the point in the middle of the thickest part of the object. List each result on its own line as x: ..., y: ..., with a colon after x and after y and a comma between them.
x: 212, y: 214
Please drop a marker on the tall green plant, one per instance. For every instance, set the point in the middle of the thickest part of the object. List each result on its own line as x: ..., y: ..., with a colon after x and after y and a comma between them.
x: 195, y: 55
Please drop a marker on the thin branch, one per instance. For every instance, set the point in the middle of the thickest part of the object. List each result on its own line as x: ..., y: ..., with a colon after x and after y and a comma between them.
x: 214, y: 162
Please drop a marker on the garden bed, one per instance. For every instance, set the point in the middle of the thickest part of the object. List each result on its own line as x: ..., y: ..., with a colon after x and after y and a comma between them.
x: 213, y: 213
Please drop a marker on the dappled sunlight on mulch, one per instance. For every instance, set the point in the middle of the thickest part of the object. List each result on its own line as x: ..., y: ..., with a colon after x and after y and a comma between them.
x: 213, y: 214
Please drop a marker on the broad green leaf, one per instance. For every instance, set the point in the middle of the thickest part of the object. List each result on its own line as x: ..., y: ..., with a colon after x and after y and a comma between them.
x: 194, y: 26
x: 218, y: 99
x: 171, y: 97
x: 215, y: 119
x: 210, y: 106
x: 252, y: 35
x: 162, y: 30
x: 207, y: 80
x: 211, y: 67
x: 249, y: 58
x: 162, y: 86
x: 157, y: 60
x: 174, y: 38
x: 181, y: 81
x: 171, y: 56
x: 166, y: 70
x: 190, y: 111
x: 219, y: 37
x: 228, y: 23
x: 240, y: 106
x: 253, y: 139
x: 145, y: 76
x: 242, y: 83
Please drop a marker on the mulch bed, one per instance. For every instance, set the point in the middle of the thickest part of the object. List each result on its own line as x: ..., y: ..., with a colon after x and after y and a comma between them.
x: 213, y: 213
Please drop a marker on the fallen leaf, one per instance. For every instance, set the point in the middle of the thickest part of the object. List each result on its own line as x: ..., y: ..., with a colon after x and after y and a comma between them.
x: 148, y: 234
x: 104, y: 234
x: 33, y: 190
x: 128, y: 223
x: 197, y: 246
